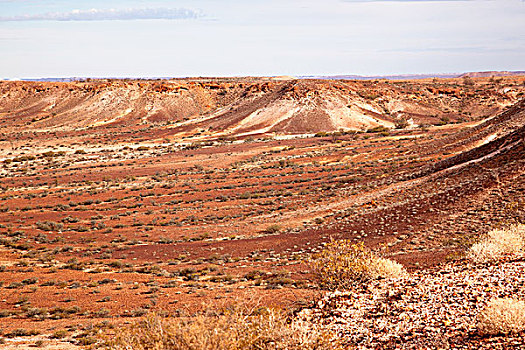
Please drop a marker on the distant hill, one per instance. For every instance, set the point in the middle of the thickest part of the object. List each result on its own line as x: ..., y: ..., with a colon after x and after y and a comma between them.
x: 492, y: 74
x: 419, y: 76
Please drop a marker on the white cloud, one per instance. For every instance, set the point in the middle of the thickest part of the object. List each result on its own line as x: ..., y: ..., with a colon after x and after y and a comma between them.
x: 109, y: 15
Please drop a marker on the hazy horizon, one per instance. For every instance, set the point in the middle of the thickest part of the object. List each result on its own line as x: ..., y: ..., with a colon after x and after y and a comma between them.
x: 313, y: 76
x: 185, y: 38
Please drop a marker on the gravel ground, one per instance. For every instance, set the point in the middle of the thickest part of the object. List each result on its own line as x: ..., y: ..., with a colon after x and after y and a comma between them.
x: 427, y: 310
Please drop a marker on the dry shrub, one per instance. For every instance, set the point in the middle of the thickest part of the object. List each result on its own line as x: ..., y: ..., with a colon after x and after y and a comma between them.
x: 502, y: 316
x: 498, y: 244
x: 343, y: 264
x: 231, y: 331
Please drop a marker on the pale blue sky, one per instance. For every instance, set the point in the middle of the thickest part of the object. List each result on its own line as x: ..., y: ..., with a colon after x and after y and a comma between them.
x: 134, y: 38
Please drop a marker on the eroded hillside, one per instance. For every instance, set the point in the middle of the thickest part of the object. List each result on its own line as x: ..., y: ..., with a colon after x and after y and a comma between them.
x: 219, y: 108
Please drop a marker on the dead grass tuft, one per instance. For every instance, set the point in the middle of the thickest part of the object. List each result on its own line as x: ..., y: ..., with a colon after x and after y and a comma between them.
x: 502, y: 316
x: 234, y: 330
x: 499, y: 244
x: 343, y: 264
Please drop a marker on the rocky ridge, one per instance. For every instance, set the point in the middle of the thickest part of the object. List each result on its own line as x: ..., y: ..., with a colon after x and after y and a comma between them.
x: 434, y: 309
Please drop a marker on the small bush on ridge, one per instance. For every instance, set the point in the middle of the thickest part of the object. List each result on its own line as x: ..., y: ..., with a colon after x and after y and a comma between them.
x: 343, y: 264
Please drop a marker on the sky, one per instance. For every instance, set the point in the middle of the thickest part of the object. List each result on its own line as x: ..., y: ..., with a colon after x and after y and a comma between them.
x: 178, y: 38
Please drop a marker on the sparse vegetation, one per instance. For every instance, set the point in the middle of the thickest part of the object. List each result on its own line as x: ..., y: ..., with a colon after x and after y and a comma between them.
x: 22, y: 332
x: 378, y: 129
x: 49, y: 226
